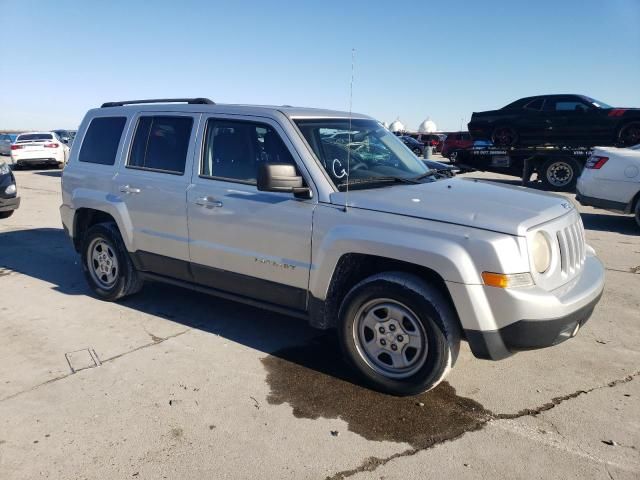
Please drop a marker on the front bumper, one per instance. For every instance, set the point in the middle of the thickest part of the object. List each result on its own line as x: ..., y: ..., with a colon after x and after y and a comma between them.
x: 499, y: 322
x: 11, y: 203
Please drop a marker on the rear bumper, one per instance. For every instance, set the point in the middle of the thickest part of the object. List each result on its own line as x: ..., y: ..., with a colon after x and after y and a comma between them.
x: 7, y: 204
x: 602, y: 203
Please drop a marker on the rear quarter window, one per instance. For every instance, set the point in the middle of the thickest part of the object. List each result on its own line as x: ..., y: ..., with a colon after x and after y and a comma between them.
x: 100, y: 144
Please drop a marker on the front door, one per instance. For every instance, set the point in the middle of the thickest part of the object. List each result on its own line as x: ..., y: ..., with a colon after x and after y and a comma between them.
x: 153, y: 182
x: 243, y: 241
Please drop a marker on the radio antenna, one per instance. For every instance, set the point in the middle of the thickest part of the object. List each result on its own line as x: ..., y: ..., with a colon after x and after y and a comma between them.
x: 346, y: 197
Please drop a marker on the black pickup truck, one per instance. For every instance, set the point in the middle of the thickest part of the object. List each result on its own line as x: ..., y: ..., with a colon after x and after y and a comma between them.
x: 559, y: 120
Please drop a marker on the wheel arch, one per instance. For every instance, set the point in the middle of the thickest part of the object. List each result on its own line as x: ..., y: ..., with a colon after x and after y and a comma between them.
x: 86, y: 217
x: 352, y: 268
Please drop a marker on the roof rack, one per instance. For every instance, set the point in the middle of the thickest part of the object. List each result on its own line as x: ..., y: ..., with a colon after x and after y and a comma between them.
x: 193, y: 101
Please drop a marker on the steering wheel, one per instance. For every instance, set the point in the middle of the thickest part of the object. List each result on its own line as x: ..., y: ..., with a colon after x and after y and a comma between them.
x: 339, y: 171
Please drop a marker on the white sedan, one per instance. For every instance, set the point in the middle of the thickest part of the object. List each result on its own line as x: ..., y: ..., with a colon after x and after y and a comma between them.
x: 611, y: 180
x: 39, y: 148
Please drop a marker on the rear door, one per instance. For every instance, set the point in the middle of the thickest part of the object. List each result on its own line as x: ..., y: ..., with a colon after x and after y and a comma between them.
x: 243, y: 241
x: 152, y: 181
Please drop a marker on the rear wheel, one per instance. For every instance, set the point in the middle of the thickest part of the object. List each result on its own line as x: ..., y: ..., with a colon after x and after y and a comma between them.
x: 560, y: 174
x: 504, y: 136
x: 401, y: 334
x: 417, y: 151
x: 629, y: 134
x: 106, y: 263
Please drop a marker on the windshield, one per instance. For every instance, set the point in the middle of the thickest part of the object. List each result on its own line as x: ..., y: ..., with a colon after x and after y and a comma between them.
x: 368, y: 152
x: 597, y: 103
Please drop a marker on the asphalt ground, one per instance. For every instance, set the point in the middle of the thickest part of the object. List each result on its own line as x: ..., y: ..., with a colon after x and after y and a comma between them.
x: 176, y: 384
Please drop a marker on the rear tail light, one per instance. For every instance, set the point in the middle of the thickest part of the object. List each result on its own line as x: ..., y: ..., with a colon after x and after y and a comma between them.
x: 16, y: 147
x: 596, y: 162
x: 51, y: 145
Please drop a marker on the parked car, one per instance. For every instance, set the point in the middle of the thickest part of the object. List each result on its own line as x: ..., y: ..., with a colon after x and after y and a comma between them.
x: 456, y: 141
x: 65, y: 136
x: 414, y: 145
x: 435, y: 140
x: 6, y: 139
x: 254, y: 204
x: 39, y: 148
x: 9, y: 199
x: 611, y: 180
x: 570, y: 120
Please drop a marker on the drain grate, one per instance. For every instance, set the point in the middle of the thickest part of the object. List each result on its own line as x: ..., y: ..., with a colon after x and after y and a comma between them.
x: 82, y: 359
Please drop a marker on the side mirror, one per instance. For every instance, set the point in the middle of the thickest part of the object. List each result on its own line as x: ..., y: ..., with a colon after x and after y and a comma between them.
x: 281, y: 177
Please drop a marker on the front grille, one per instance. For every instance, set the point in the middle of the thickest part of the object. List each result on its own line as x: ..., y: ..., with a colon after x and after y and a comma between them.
x: 572, y: 247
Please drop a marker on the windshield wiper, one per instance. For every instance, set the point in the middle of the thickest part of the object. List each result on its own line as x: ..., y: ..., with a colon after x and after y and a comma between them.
x: 386, y: 180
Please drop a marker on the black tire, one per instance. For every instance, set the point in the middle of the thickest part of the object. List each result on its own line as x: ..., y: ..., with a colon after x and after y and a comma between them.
x: 629, y: 134
x: 432, y: 310
x: 128, y: 281
x: 504, y: 136
x: 560, y: 174
x: 637, y: 212
x: 6, y: 214
x: 417, y: 151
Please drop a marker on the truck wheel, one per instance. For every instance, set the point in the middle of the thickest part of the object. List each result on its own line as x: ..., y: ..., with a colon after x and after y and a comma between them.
x: 106, y: 263
x: 6, y: 214
x: 560, y: 174
x: 629, y: 134
x: 504, y: 136
x: 401, y: 334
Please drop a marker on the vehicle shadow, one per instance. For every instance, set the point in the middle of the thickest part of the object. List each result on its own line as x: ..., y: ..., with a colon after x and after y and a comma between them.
x: 47, y: 254
x: 605, y: 222
x: 49, y: 173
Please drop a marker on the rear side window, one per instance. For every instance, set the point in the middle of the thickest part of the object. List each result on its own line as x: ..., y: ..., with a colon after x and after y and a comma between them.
x: 161, y: 143
x: 101, y: 141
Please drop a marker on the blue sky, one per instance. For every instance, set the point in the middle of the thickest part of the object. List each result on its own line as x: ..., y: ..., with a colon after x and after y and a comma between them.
x: 413, y: 59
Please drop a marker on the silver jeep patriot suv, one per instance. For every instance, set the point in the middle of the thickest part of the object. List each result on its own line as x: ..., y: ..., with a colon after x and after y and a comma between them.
x: 328, y: 217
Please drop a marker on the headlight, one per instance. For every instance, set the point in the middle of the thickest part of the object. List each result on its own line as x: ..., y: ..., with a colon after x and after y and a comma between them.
x: 4, y: 169
x: 11, y: 189
x: 541, y: 252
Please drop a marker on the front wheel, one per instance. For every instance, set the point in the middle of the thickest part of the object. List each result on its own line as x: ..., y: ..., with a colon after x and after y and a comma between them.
x: 417, y: 151
x: 106, y: 263
x: 401, y: 334
x: 6, y: 214
x: 637, y: 212
x: 560, y: 174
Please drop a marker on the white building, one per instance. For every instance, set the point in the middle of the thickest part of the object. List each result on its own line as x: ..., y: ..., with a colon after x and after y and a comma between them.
x: 397, y: 126
x: 428, y: 126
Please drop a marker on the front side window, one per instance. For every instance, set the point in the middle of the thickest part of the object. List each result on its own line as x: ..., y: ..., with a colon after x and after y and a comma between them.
x: 234, y: 149
x: 161, y: 143
x: 571, y: 107
x: 369, y: 153
x: 101, y: 141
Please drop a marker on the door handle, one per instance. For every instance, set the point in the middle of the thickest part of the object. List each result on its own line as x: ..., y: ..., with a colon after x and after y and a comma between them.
x: 208, y: 202
x: 129, y: 189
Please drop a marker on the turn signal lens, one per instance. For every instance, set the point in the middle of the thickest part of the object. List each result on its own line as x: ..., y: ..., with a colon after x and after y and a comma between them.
x: 503, y: 280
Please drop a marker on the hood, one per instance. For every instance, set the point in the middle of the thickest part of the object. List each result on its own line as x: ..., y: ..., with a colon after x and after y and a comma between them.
x: 474, y: 203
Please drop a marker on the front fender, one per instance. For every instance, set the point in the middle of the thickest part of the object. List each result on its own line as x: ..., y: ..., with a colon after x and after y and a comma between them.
x: 457, y: 253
